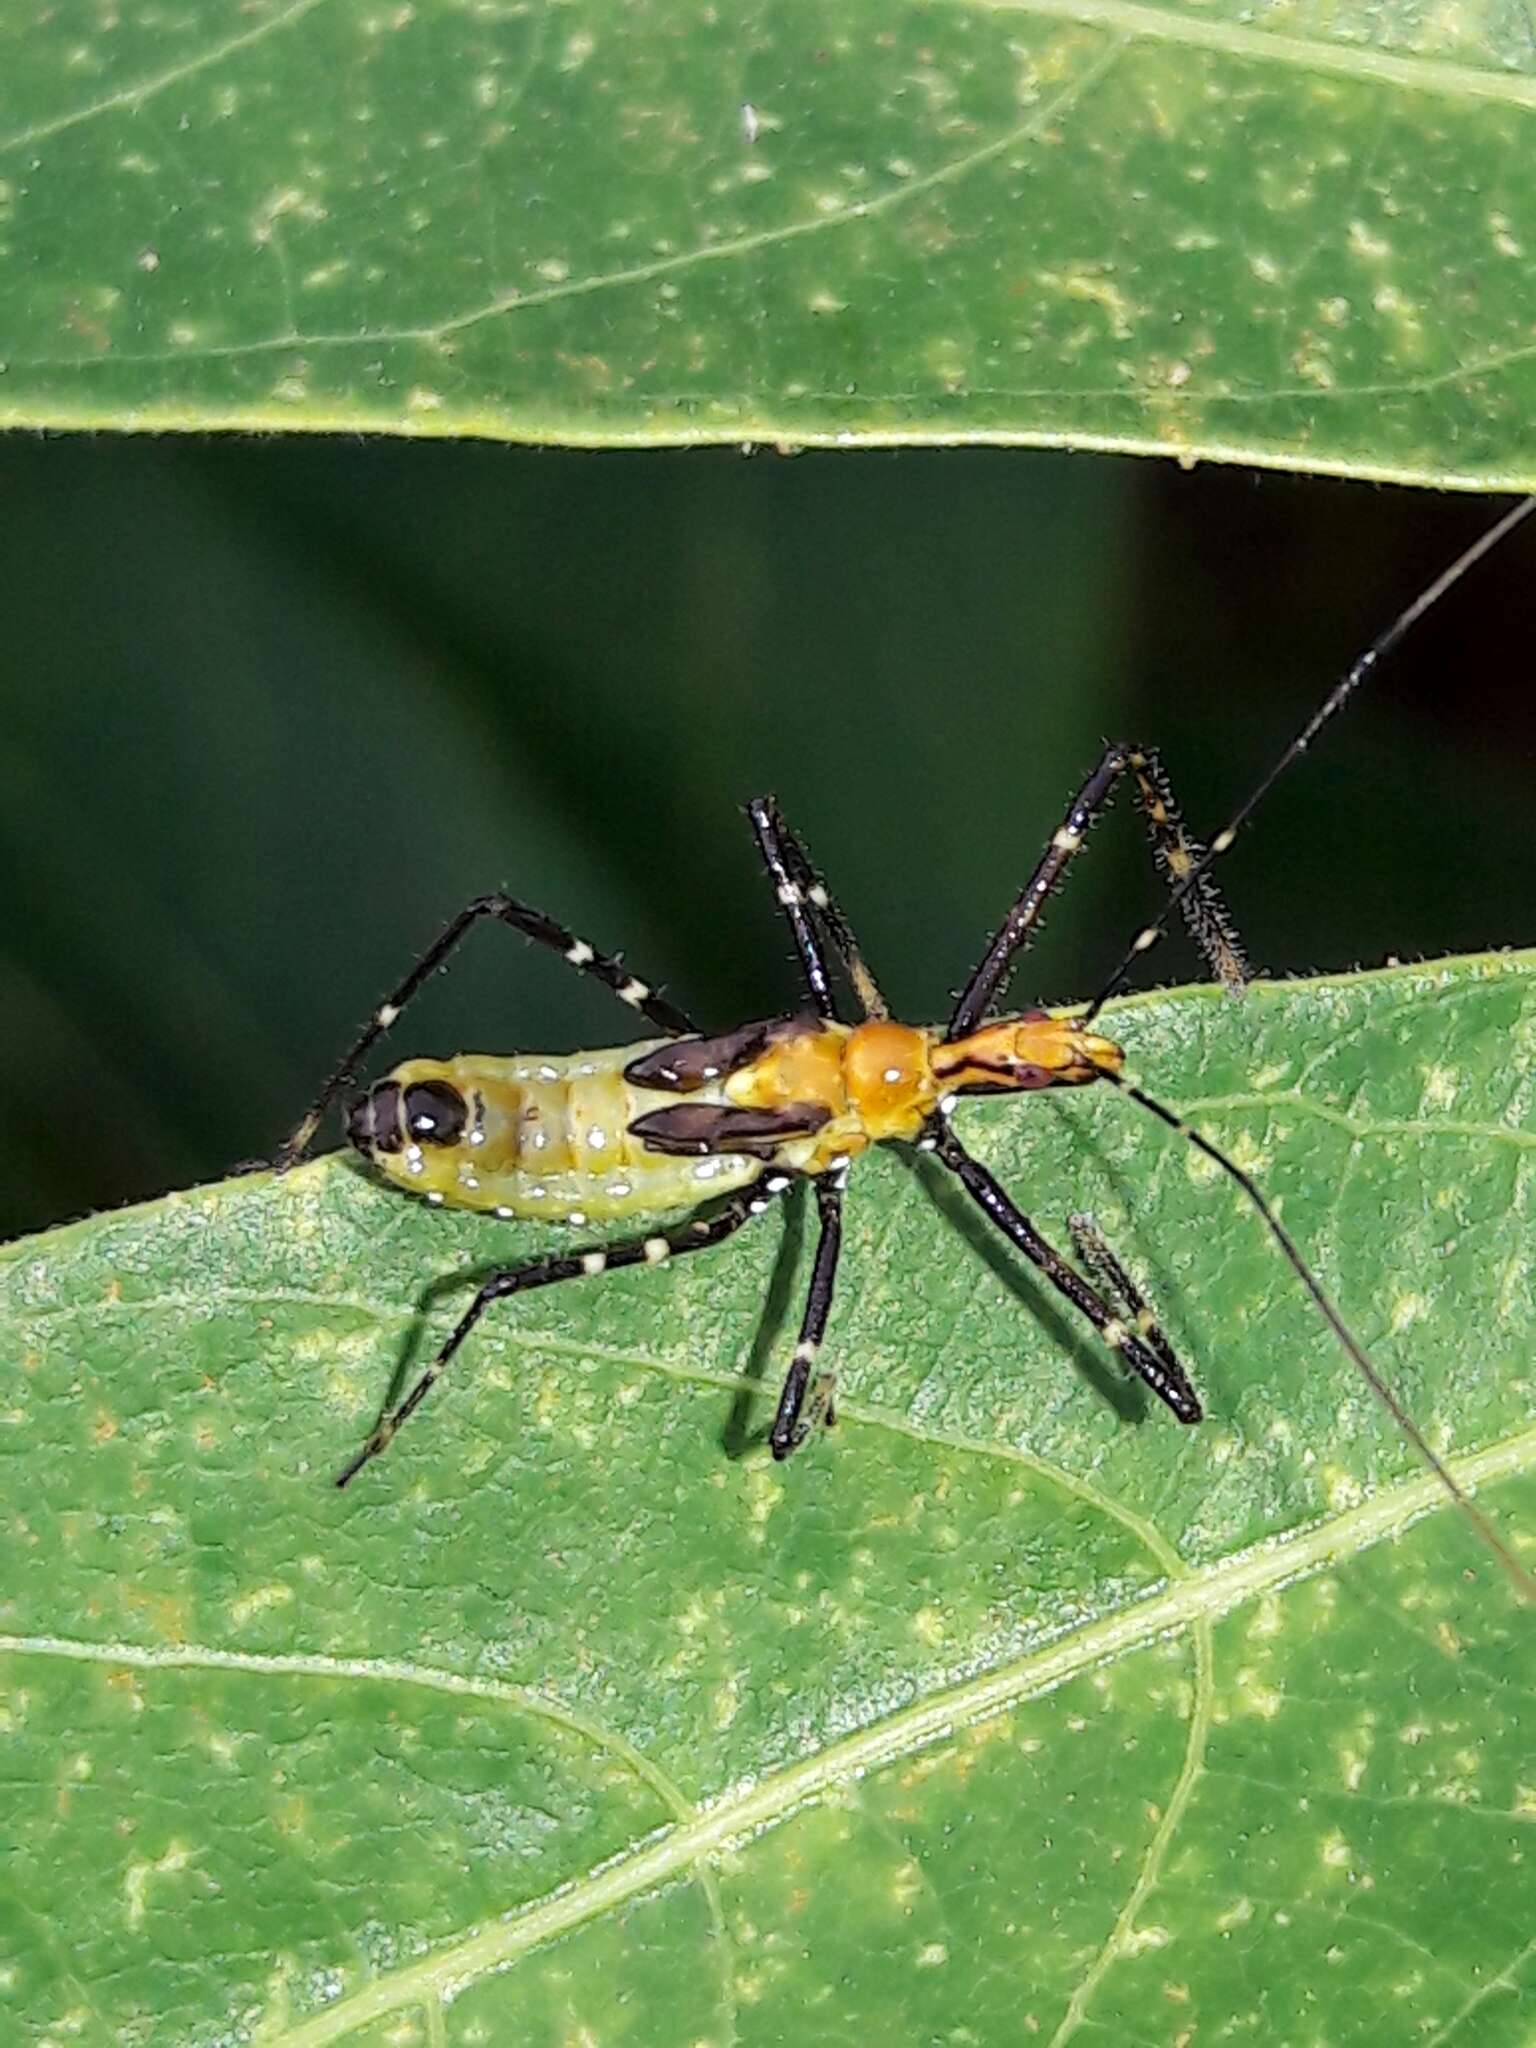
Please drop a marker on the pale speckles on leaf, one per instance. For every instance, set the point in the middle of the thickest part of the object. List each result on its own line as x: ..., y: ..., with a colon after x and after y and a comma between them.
x: 259, y: 1600
x: 1364, y: 241
x: 1097, y: 288
x: 1253, y: 1694
x: 1342, y: 1489
x: 1440, y: 1087
x: 224, y: 1747
x: 1407, y: 1309
x: 1266, y: 1620
x: 1514, y: 1284
x: 928, y: 1626
x: 1138, y: 1940
x: 1199, y: 1170
x: 1504, y: 241
x: 1313, y: 364
x: 140, y: 1874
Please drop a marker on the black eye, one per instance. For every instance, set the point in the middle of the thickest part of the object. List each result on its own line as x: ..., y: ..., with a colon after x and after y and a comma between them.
x: 435, y: 1113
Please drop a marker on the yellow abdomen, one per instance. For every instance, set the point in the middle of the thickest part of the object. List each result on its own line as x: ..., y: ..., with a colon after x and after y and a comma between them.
x: 548, y: 1136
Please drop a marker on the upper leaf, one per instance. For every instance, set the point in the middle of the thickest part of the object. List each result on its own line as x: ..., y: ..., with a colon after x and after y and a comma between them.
x: 1010, y: 1711
x: 1300, y: 238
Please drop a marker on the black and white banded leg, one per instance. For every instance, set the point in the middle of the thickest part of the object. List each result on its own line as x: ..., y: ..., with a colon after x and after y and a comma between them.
x: 808, y: 904
x: 1156, y: 1367
x: 607, y: 968
x: 806, y: 1401
x: 1179, y: 859
x: 1194, y: 879
x: 696, y: 1236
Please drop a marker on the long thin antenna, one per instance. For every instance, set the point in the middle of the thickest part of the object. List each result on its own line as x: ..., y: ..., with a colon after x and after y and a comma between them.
x: 1334, y: 702
x: 1520, y: 1578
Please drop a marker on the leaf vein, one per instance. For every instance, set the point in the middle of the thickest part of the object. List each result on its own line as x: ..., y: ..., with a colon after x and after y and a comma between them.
x: 1202, y: 1596
x: 135, y: 96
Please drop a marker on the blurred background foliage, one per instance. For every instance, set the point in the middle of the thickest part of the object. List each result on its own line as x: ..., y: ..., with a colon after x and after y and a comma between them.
x: 273, y: 710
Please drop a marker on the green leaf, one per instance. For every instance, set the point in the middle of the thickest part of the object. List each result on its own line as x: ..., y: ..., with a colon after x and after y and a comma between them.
x: 1299, y: 238
x: 1012, y: 1710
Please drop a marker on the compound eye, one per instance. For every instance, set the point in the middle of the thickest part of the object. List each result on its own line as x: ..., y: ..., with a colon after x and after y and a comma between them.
x: 435, y: 1113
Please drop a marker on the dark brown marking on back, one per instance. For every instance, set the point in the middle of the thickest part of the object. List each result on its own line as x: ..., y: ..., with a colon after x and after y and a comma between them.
x: 696, y: 1129
x: 687, y: 1064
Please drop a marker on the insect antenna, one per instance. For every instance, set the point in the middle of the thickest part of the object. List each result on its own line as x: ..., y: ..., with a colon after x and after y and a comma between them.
x: 1334, y: 702
x: 1520, y: 1578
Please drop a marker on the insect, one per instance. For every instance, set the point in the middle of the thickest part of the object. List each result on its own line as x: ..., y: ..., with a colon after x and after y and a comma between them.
x: 734, y: 1120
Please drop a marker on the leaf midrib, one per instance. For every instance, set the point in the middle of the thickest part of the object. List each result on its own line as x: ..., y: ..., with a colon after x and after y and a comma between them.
x: 1199, y: 1598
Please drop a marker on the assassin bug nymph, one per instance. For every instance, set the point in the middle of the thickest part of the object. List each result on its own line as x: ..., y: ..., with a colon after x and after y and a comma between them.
x: 682, y: 1118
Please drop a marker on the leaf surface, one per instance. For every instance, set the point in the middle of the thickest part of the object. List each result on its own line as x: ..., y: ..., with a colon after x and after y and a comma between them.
x: 1297, y: 236
x: 1011, y: 1711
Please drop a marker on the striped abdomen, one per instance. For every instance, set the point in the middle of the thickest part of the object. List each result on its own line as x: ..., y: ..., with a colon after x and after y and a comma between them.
x: 536, y: 1135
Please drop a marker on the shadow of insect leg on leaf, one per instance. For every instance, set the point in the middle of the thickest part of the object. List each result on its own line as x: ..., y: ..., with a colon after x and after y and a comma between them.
x: 1149, y: 1267
x: 418, y: 1344
x: 1125, y: 1395
x: 738, y: 1437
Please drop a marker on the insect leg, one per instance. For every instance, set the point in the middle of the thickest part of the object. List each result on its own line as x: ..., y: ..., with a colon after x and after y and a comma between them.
x: 807, y: 902
x: 533, y: 924
x: 791, y: 1426
x: 1179, y: 862
x: 696, y: 1236
x: 1177, y: 856
x: 1360, y: 669
x: 1159, y: 1369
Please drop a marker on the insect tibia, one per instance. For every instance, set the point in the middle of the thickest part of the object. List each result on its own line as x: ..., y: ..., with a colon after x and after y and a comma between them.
x: 1184, y: 865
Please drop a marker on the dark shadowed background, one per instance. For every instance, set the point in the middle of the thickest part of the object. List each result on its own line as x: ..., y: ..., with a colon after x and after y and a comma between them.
x: 274, y: 710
